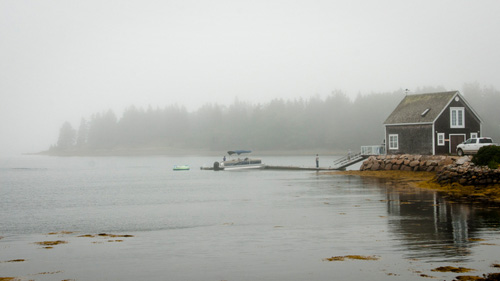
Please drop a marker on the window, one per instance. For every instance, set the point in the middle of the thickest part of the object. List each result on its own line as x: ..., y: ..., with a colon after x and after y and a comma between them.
x: 457, y: 117
x: 425, y: 112
x: 393, y: 142
x: 441, y: 139
x: 484, y: 140
x: 473, y: 135
x: 471, y: 140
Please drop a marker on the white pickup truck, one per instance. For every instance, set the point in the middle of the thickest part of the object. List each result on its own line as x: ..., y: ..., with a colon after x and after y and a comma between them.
x: 472, y: 145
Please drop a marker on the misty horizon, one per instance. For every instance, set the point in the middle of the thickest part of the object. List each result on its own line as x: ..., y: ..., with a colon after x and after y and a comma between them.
x: 61, y: 61
x: 334, y: 124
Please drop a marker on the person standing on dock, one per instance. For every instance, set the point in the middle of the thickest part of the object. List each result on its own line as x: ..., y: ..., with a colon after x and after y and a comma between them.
x: 317, y: 161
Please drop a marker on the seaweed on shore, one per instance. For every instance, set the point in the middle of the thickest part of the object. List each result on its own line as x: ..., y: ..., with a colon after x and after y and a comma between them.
x: 452, y: 269
x: 352, y: 257
x: 60, y: 232
x: 486, y: 277
x: 106, y: 235
x: 468, y: 278
x: 427, y: 180
x: 50, y: 244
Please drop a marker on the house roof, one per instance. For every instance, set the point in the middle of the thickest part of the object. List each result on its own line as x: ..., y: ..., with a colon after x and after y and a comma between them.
x: 420, y: 108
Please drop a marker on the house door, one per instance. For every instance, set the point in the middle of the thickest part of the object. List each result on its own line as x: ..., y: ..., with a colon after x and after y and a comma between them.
x: 454, y: 141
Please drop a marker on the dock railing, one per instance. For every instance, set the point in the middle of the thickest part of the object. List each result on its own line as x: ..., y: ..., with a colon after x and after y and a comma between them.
x: 369, y: 150
x: 348, y: 160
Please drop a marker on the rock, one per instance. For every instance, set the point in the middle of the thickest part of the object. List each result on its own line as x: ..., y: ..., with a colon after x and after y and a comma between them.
x: 405, y: 168
x: 447, y: 161
x: 462, y: 160
x: 414, y: 163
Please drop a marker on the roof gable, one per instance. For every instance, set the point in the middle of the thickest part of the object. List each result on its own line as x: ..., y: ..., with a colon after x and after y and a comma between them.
x: 420, y: 108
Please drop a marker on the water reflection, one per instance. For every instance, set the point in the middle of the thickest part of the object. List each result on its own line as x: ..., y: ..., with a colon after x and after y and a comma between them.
x: 429, y: 226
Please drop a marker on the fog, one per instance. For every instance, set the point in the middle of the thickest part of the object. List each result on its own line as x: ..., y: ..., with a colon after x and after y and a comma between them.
x: 64, y: 60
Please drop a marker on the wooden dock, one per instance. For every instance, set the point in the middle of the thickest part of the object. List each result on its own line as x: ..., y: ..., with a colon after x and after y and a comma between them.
x: 286, y: 168
x: 295, y: 168
x: 338, y: 165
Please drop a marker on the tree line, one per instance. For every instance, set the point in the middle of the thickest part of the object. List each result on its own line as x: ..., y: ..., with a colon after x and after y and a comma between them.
x: 334, y: 123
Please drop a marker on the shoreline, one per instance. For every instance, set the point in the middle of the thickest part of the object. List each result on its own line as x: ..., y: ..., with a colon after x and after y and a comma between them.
x: 138, y: 152
x: 489, y: 194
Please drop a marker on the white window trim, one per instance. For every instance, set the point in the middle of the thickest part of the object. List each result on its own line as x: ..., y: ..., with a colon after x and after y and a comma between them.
x: 473, y: 135
x: 440, y: 138
x: 390, y: 141
x: 458, y: 110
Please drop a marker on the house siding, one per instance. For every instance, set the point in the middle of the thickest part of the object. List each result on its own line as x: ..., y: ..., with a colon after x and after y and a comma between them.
x: 442, y: 125
x: 413, y: 139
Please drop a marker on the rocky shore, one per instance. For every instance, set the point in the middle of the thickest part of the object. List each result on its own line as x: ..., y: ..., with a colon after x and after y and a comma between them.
x: 408, y: 162
x: 449, y: 169
x: 457, y: 176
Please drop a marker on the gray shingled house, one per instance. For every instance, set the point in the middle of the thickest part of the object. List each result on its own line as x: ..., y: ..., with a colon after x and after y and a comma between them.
x: 433, y: 123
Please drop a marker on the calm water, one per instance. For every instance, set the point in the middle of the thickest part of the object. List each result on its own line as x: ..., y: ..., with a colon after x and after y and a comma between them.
x: 229, y: 225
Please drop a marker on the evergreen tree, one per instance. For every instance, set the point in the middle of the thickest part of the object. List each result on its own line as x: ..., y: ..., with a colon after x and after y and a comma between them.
x: 66, y: 137
x: 334, y: 123
x: 83, y: 131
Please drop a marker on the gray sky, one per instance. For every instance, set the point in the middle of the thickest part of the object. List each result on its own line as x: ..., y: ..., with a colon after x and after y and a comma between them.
x: 64, y: 60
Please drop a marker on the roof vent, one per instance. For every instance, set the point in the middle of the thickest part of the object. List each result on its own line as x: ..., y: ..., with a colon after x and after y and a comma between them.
x: 425, y: 112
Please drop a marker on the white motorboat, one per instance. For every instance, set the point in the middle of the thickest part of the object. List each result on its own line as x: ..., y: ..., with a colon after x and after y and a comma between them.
x: 238, y: 163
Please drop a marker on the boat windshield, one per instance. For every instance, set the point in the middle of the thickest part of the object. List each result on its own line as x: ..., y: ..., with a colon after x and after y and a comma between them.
x: 231, y: 152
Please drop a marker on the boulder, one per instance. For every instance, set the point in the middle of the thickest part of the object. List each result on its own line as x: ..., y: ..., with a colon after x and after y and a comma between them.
x: 462, y: 160
x: 414, y: 163
x: 406, y: 168
x: 375, y: 167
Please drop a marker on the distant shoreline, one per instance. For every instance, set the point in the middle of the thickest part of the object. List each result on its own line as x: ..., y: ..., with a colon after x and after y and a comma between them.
x: 140, y: 152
